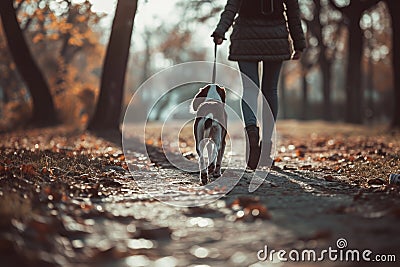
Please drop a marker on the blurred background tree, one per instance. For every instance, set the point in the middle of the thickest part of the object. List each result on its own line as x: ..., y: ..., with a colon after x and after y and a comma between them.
x: 43, y: 107
x: 353, y: 13
x: 64, y: 41
x: 394, y: 9
x: 108, y: 109
x: 324, y: 32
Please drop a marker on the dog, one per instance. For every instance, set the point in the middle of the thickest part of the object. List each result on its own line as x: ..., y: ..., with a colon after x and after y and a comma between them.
x: 210, y: 129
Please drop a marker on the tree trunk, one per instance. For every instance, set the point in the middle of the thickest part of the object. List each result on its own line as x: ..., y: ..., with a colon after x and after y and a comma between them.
x: 147, y: 56
x: 108, y: 110
x: 316, y: 27
x: 354, y: 92
x: 326, y: 84
x: 43, y: 106
x: 370, y: 114
x: 394, y: 9
x: 304, y: 106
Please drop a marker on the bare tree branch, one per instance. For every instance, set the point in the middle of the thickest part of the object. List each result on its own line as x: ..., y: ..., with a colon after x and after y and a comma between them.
x: 27, y: 24
x: 334, y: 4
x: 367, y: 4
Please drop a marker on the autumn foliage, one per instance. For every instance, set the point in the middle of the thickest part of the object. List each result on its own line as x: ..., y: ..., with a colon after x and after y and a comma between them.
x: 66, y: 43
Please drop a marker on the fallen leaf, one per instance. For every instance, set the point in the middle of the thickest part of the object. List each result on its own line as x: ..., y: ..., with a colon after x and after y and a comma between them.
x: 376, y: 181
x: 300, y: 153
x: 289, y: 167
x: 114, y: 168
x: 329, y: 178
x: 249, y: 209
x: 2, y: 169
x: 28, y: 169
x: 305, y: 167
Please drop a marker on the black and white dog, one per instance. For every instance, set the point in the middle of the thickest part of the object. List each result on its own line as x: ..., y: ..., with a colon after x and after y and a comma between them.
x: 210, y: 128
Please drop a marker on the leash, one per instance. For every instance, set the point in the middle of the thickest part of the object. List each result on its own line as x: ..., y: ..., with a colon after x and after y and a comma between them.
x: 215, y: 64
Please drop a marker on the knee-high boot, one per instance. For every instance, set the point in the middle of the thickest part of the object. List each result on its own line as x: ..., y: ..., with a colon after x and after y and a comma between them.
x: 252, y: 146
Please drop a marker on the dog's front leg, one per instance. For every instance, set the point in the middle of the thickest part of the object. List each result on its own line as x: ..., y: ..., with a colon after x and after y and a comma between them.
x: 203, y: 170
x: 211, y: 157
x: 202, y: 163
x: 217, y: 153
x: 200, y: 142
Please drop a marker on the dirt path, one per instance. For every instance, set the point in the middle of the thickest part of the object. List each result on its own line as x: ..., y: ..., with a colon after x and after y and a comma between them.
x: 109, y: 220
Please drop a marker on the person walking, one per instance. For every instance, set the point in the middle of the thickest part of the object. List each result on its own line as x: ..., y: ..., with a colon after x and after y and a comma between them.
x: 261, y: 30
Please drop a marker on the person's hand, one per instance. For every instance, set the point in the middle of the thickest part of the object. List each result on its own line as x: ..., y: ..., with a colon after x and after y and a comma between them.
x: 297, y: 55
x: 218, y: 40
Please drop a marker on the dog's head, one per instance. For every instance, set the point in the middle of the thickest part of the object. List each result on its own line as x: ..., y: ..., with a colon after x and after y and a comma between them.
x: 212, y: 92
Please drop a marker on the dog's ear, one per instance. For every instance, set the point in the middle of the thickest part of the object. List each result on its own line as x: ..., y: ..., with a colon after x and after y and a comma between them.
x: 199, y: 98
x: 222, y: 93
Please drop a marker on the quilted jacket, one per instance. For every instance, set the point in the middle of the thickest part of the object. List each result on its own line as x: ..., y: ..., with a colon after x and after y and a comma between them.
x: 261, y: 32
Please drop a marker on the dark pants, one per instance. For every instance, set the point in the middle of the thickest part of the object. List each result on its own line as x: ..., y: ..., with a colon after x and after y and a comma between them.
x: 251, y: 85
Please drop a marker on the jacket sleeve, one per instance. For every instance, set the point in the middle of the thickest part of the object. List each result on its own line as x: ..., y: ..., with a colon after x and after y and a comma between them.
x: 227, y: 16
x: 294, y: 22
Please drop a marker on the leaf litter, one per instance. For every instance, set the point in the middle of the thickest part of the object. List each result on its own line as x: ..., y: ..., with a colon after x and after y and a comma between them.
x: 59, y: 191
